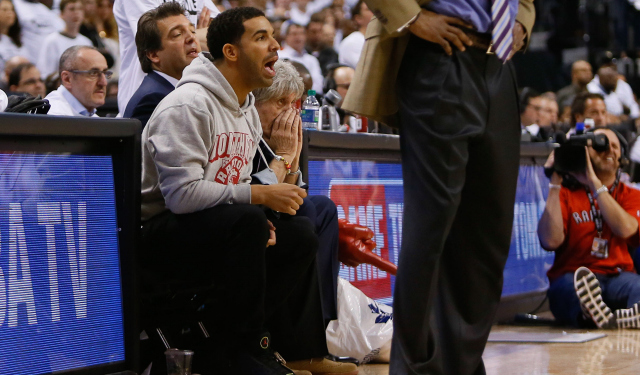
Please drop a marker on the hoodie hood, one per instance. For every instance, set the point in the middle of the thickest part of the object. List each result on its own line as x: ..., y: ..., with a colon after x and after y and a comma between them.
x: 204, y: 72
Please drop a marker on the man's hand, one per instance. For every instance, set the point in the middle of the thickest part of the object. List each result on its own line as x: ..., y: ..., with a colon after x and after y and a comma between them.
x: 588, y: 178
x: 518, y: 38
x: 555, y: 179
x: 440, y: 29
x: 284, y: 134
x: 204, y: 19
x: 272, y: 234
x: 285, y: 198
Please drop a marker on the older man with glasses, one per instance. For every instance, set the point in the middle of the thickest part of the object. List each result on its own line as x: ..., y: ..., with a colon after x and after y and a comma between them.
x: 83, y: 77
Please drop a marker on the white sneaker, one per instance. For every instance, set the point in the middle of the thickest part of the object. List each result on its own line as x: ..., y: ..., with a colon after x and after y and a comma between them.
x: 589, y: 293
x: 628, y: 318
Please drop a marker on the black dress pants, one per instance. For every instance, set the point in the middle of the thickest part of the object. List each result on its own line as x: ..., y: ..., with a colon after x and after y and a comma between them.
x: 460, y: 152
x: 257, y: 287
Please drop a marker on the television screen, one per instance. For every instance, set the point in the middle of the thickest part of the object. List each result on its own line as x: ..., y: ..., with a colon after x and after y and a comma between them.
x: 60, y: 293
x: 67, y: 224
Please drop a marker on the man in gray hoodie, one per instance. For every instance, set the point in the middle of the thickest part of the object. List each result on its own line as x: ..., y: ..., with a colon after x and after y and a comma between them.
x: 204, y: 223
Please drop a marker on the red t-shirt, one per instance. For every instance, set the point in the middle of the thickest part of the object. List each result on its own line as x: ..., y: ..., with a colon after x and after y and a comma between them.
x: 580, y: 230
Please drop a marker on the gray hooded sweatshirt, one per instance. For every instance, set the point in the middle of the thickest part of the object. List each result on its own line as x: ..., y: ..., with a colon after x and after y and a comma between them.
x: 198, y: 146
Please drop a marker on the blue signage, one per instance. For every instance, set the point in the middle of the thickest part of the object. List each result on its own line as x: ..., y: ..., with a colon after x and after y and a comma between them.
x: 60, y: 291
x: 370, y: 193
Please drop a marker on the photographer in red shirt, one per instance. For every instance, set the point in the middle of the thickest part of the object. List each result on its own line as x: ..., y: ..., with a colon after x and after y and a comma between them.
x: 590, y: 228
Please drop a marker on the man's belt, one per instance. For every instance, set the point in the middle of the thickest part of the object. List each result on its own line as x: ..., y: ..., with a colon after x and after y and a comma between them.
x: 480, y: 40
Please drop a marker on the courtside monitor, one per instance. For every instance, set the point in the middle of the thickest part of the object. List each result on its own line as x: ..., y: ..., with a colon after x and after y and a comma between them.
x: 69, y: 214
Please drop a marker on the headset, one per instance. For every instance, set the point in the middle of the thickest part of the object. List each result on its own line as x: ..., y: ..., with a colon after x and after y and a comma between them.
x: 329, y: 81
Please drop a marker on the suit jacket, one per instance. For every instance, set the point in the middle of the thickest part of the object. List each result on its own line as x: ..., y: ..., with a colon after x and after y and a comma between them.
x: 145, y: 100
x: 372, y: 92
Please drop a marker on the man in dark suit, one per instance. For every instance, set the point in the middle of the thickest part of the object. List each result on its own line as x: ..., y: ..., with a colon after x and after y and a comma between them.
x: 166, y: 43
x: 440, y: 69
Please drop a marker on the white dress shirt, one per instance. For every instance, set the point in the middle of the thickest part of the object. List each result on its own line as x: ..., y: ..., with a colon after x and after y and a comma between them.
x: 350, y: 49
x: 615, y: 100
x: 63, y: 103
x: 127, y: 13
x: 309, y: 62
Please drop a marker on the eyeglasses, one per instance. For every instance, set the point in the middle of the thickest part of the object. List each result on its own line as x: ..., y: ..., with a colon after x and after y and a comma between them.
x: 94, y: 73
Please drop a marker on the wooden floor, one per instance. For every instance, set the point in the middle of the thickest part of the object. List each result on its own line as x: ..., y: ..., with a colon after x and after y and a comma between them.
x: 618, y: 353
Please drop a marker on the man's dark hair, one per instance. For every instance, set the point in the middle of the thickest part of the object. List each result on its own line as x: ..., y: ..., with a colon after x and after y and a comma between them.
x: 227, y: 28
x: 16, y: 73
x: 579, y: 104
x: 318, y: 17
x: 64, y: 3
x: 357, y: 9
x: 148, y: 38
x: 526, y: 95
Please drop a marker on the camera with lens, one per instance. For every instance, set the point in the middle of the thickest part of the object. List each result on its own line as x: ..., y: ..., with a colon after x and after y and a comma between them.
x: 570, y: 157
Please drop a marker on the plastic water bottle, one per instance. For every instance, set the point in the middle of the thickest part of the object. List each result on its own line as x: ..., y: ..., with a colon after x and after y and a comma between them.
x: 310, y: 111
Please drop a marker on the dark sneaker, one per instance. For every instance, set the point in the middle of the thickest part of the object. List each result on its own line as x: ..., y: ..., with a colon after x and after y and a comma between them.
x: 258, y: 358
x: 589, y: 293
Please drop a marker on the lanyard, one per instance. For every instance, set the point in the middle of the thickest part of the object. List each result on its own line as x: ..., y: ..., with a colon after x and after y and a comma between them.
x: 597, y: 216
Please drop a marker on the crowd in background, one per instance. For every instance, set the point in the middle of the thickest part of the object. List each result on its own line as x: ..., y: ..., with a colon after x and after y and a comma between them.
x: 325, y: 38
x: 322, y: 35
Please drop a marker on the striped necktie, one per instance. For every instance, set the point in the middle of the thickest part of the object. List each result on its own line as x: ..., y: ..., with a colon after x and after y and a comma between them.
x: 502, y: 33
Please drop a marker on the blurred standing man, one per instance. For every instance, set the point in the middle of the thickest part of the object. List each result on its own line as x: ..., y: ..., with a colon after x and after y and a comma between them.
x: 458, y: 107
x: 581, y: 75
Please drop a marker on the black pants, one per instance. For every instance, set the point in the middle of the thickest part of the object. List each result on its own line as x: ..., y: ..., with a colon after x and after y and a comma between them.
x: 324, y: 215
x: 257, y: 287
x: 460, y: 153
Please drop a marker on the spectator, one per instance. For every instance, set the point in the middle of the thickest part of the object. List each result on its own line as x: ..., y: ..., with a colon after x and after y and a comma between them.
x: 276, y: 23
x: 105, y: 21
x: 319, y: 44
x: 351, y: 46
x: 8, y: 68
x: 127, y: 13
x: 295, y: 39
x: 589, y: 105
x: 100, y: 27
x: 549, y: 112
x: 530, y: 108
x: 25, y: 78
x: 306, y: 79
x: 10, y: 33
x: 339, y: 79
x: 314, y: 32
x: 592, y: 271
x: 618, y: 95
x: 216, y: 211
x: 581, y: 75
x: 166, y: 43
x: 282, y: 136
x: 37, y: 22
x: 72, y: 13
x: 83, y: 76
